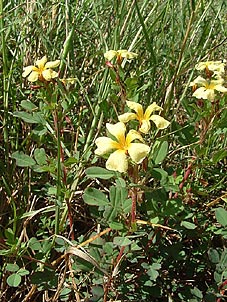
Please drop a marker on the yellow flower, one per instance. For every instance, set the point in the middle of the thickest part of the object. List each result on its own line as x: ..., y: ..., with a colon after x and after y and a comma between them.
x: 122, y: 53
x: 122, y: 147
x: 144, y: 118
x: 68, y: 81
x: 217, y: 67
x: 207, y: 88
x: 42, y: 70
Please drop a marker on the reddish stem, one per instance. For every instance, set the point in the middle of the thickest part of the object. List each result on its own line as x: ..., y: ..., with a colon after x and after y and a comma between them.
x: 222, y: 290
x: 186, y: 176
x: 133, y: 210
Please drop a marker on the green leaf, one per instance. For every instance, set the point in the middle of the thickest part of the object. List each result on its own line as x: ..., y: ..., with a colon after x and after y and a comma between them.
x: 156, y: 266
x: 34, y: 244
x: 14, y: 280
x: 159, y: 152
x: 97, y: 292
x: 219, y: 155
x: 118, y: 195
x: 25, y: 116
x: 32, y: 118
x: 95, y: 197
x: 221, y: 216
x: 40, y: 156
x: 160, y: 174
x: 153, y: 274
x: 188, y: 225
x: 122, y: 241
x: 23, y: 272
x: 10, y: 236
x: 48, y: 278
x: 97, y: 172
x: 116, y: 225
x: 196, y: 292
x: 127, y: 205
x: 23, y: 160
x: 11, y: 267
x: 64, y: 296
x: 28, y: 105
x: 213, y: 255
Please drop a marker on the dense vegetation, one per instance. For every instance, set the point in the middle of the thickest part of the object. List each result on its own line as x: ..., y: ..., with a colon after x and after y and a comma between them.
x: 77, y: 223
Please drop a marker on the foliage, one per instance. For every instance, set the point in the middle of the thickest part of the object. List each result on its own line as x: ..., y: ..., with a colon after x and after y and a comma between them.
x: 72, y: 230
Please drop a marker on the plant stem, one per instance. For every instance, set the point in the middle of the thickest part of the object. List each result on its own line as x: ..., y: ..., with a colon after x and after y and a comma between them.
x: 5, y: 86
x: 134, y: 198
x: 58, y: 201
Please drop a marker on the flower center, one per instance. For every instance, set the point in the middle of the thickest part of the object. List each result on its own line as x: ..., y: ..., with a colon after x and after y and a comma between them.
x: 122, y: 144
x: 210, y: 86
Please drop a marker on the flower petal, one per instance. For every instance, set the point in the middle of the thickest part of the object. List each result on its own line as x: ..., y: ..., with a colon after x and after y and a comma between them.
x: 159, y: 121
x: 41, y: 63
x: 124, y: 53
x: 220, y: 88
x: 33, y: 77
x: 52, y: 64
x: 124, y: 118
x: 203, y: 93
x: 105, y: 145
x: 215, y: 66
x: 117, y: 161
x: 49, y: 74
x: 138, y: 152
x: 200, y: 81
x: 145, y: 126
x: 117, y: 130
x: 27, y: 70
x: 150, y: 109
x: 132, y: 135
x: 110, y: 54
x: 138, y: 108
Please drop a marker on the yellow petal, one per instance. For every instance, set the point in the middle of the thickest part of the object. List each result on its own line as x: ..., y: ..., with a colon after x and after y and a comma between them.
x: 220, y: 88
x: 52, y: 64
x: 219, y: 81
x: 117, y: 130
x: 150, y: 109
x: 215, y: 66
x: 203, y: 93
x: 49, y: 74
x: 117, y: 161
x: 199, y: 81
x: 145, y: 126
x: 41, y: 63
x: 136, y: 107
x: 138, y: 152
x: 33, y: 77
x: 127, y: 117
x: 159, y: 121
x: 104, y: 145
x: 27, y: 70
x: 110, y: 54
x: 132, y: 135
x: 124, y: 53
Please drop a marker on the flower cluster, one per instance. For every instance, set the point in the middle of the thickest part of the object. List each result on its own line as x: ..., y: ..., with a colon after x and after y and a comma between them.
x: 205, y: 88
x: 122, y: 147
x: 119, y: 54
x: 119, y: 146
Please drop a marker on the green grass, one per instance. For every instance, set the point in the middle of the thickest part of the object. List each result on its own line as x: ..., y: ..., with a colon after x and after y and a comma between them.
x: 45, y: 185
